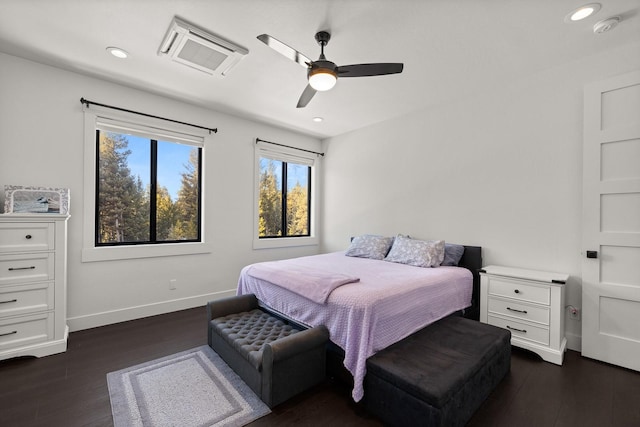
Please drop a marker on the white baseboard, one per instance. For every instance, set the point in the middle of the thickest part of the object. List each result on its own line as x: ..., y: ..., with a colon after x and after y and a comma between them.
x: 574, y: 342
x: 88, y: 321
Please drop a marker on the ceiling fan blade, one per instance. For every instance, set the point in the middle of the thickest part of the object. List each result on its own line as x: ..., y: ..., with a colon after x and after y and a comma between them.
x: 285, y: 50
x: 364, y: 70
x: 306, y: 96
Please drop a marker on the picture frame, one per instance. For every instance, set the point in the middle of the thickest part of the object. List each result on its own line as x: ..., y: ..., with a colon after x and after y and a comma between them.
x: 37, y: 200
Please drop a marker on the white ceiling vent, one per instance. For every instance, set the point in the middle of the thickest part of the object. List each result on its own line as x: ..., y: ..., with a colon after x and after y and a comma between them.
x: 192, y: 46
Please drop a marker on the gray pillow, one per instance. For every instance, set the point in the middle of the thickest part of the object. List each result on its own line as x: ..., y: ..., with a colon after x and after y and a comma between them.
x: 369, y: 246
x: 419, y: 253
x: 452, y: 254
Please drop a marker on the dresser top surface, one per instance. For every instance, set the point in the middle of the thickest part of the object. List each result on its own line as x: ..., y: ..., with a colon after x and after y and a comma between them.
x: 521, y: 273
x: 33, y: 217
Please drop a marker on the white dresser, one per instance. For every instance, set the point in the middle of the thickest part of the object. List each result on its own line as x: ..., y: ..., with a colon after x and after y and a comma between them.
x: 530, y: 304
x: 33, y: 284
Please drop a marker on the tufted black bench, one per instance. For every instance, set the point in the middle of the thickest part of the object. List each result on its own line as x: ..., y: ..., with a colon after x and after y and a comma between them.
x: 438, y: 376
x: 275, y: 359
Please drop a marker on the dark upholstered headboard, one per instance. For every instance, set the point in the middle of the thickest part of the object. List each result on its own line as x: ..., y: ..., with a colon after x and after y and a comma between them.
x: 472, y: 260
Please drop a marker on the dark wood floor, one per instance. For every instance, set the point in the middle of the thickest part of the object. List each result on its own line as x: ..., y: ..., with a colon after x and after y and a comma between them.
x: 70, y: 389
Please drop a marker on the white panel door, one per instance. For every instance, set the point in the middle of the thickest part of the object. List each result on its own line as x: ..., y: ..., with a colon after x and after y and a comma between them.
x: 611, y: 221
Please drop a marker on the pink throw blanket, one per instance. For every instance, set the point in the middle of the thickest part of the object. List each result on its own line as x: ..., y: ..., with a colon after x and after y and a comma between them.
x: 315, y: 285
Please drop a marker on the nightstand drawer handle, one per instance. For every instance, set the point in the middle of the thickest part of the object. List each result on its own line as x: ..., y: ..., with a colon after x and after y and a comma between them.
x: 517, y: 291
x: 7, y: 302
x: 515, y: 329
x: 33, y: 267
x: 28, y: 236
x: 517, y: 311
x: 8, y: 333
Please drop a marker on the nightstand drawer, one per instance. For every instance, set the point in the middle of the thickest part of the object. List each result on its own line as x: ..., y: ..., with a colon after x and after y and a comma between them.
x: 26, y: 237
x: 525, y: 331
x: 512, y: 308
x: 25, y: 299
x: 25, y: 330
x: 520, y: 290
x: 25, y: 268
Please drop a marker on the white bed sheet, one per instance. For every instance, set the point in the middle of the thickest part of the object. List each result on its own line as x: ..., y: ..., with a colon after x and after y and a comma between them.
x: 390, y: 302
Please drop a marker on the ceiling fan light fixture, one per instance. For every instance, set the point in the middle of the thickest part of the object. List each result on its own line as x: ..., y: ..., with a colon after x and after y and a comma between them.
x: 322, y: 79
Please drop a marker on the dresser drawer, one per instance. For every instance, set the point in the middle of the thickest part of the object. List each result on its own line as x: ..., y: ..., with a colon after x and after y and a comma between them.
x: 522, y: 330
x: 513, y: 308
x: 25, y: 330
x: 25, y: 299
x: 25, y: 268
x: 520, y: 290
x: 26, y: 237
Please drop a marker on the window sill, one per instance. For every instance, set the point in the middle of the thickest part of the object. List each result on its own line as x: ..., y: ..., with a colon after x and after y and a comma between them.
x: 284, y: 242
x: 112, y: 253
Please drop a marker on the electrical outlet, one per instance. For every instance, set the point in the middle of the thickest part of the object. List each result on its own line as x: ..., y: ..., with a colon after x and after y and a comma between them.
x: 172, y: 284
x: 574, y: 313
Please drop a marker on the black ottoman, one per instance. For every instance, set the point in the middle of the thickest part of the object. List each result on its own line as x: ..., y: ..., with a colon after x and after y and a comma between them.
x: 438, y: 376
x: 276, y: 360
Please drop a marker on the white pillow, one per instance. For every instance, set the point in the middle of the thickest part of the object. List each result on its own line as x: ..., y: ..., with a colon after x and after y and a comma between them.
x: 419, y: 253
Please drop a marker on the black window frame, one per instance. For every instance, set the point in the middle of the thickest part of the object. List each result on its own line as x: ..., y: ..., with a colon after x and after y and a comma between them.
x: 283, y: 189
x: 153, y: 159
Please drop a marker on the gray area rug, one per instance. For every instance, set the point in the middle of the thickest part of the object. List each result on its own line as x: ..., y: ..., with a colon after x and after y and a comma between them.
x: 192, y: 388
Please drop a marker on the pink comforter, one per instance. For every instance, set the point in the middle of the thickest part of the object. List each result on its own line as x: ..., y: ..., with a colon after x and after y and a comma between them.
x: 390, y: 302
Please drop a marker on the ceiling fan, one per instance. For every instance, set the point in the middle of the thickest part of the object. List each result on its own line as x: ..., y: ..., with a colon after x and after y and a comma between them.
x: 323, y: 74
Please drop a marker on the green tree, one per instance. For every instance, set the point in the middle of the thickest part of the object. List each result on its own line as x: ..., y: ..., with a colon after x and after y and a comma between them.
x: 123, y: 205
x: 270, y: 201
x: 185, y: 225
x: 165, y: 214
x: 297, y: 211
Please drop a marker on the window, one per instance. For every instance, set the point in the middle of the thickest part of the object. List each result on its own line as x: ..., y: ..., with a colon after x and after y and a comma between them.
x: 147, y: 190
x: 144, y: 187
x: 284, y: 197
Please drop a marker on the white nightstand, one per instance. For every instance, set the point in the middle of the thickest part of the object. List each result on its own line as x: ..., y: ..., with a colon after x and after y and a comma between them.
x: 530, y: 304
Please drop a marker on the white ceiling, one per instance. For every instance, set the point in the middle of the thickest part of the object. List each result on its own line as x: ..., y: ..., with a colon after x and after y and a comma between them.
x: 450, y: 48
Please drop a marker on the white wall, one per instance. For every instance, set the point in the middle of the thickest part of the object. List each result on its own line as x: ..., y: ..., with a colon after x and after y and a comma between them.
x: 41, y: 144
x: 501, y: 169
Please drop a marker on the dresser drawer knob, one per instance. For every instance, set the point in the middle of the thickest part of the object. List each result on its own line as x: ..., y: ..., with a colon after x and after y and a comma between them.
x: 517, y: 291
x: 28, y: 236
x: 516, y: 310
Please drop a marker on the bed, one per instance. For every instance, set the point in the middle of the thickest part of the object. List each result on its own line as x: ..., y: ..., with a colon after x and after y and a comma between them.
x: 387, y: 302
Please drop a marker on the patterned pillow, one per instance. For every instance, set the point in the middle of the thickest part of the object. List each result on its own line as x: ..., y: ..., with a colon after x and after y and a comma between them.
x: 419, y: 253
x: 452, y: 254
x: 369, y: 246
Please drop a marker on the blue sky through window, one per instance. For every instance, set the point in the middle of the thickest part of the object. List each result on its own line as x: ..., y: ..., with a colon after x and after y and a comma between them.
x: 295, y: 173
x: 172, y: 159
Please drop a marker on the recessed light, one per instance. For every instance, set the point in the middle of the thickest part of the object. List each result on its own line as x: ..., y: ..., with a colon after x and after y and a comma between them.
x: 582, y: 12
x: 318, y: 119
x: 117, y: 52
